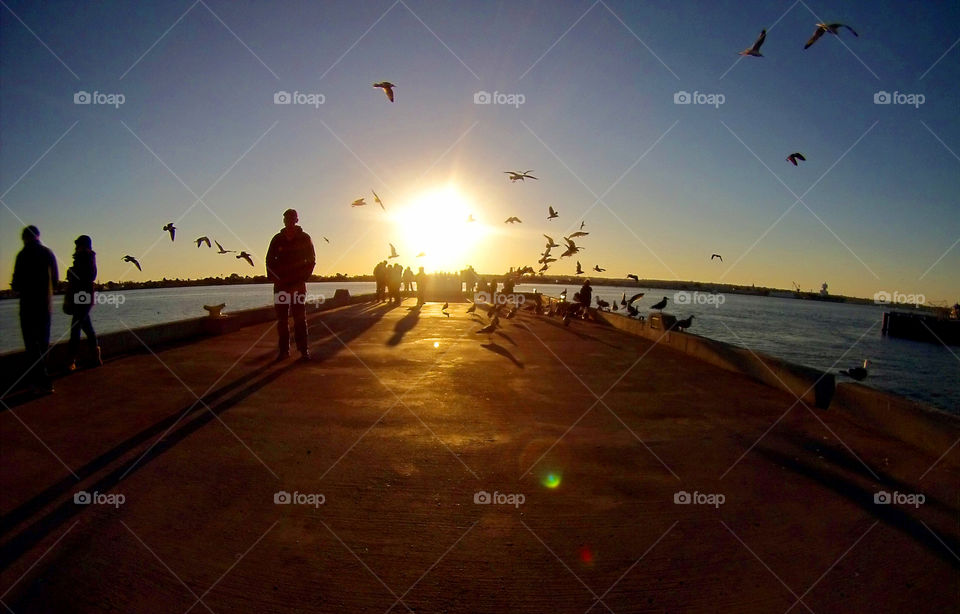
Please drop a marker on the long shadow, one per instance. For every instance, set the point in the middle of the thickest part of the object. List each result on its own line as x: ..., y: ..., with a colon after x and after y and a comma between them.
x: 499, y: 349
x: 507, y: 337
x: 893, y: 516
x: 569, y: 330
x: 219, y: 401
x: 403, y: 326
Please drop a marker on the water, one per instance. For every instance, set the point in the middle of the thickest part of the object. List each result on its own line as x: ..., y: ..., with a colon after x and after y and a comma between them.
x: 827, y: 336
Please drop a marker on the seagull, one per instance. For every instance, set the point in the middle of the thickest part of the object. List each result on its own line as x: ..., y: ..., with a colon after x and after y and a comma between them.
x: 712, y: 256
x: 444, y: 309
x: 326, y: 239
x: 553, y: 214
x: 472, y: 308
x: 623, y: 299
x: 684, y: 324
x: 563, y: 294
x: 221, y: 250
x: 470, y: 218
x: 133, y: 260
x: 578, y: 234
x: 393, y: 251
x: 582, y: 224
x: 792, y: 158
x: 421, y: 254
x: 636, y: 297
x: 203, y: 240
x: 550, y: 242
x: 171, y: 229
x: 513, y: 220
x: 579, y: 270
x: 633, y: 277
x: 492, y: 326
x: 571, y: 248
x: 546, y: 260
x: 358, y: 203
x: 387, y: 89
x: 377, y: 200
x: 246, y: 257
x: 514, y: 175
x: 597, y: 268
x: 832, y: 28
x: 659, y: 306
x: 543, y: 268
x: 857, y: 373
x: 755, y: 50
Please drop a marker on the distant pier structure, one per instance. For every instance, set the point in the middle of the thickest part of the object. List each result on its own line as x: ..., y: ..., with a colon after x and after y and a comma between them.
x: 921, y: 327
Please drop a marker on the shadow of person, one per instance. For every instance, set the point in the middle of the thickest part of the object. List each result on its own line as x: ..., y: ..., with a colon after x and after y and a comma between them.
x: 499, y: 349
x: 506, y: 336
x: 403, y: 326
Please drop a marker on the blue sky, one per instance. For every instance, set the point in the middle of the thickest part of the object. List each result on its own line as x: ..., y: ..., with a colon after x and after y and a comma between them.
x: 198, y: 139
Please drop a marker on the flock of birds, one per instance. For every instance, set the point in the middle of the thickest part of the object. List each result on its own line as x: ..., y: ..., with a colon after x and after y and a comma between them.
x: 204, y: 240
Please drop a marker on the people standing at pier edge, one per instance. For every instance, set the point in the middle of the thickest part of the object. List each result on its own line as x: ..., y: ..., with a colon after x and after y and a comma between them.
x: 395, y: 280
x: 35, y: 274
x: 585, y: 296
x: 380, y: 276
x: 421, y: 287
x: 408, y: 278
x: 290, y: 262
x: 80, y: 278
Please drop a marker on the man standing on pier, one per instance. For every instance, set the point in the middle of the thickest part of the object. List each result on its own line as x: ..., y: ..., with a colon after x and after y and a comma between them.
x: 35, y: 277
x: 290, y: 262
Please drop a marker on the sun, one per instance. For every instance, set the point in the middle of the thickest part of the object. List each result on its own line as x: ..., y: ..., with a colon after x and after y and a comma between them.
x: 436, y: 223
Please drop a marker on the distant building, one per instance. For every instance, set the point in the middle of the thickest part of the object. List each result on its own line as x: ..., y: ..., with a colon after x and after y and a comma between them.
x: 823, y: 289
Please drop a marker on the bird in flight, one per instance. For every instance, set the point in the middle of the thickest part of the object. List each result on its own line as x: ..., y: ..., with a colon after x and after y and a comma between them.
x: 206, y: 240
x: 755, y: 50
x: 579, y: 233
x: 421, y: 254
x: 358, y: 203
x: 857, y: 373
x: 544, y: 267
x: 246, y: 257
x: 326, y: 239
x: 597, y: 268
x: 377, y: 200
x: 571, y: 248
x: 579, y: 270
x: 712, y: 256
x: 553, y: 214
x: 470, y: 218
x: 171, y: 229
x: 792, y: 158
x: 133, y: 260
x: 832, y: 28
x: 513, y: 220
x: 393, y: 251
x: 582, y: 224
x: 633, y: 277
x: 387, y: 88
x: 515, y: 175
x: 550, y: 242
x: 659, y: 306
x: 634, y: 298
x: 220, y: 248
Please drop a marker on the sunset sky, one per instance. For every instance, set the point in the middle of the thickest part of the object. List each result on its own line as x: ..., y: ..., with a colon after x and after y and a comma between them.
x: 198, y: 139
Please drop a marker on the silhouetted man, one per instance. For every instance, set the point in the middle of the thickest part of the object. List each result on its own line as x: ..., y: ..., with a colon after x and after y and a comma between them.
x: 290, y: 262
x: 34, y: 276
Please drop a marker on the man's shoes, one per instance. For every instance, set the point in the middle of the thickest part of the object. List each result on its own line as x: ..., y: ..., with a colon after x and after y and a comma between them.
x: 305, y: 356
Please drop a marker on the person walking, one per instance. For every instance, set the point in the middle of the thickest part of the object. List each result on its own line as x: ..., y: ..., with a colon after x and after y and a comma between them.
x: 421, y: 287
x: 35, y: 274
x: 80, y: 278
x: 290, y: 262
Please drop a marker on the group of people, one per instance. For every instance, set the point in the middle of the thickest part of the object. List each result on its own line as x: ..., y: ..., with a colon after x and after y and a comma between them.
x: 36, y: 277
x: 393, y: 280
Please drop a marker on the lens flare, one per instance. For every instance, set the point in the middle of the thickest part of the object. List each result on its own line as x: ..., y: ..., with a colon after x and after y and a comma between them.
x: 586, y: 555
x: 551, y: 480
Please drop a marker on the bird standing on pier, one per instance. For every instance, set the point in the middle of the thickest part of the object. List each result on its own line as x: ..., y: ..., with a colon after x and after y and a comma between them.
x: 857, y: 373
x: 684, y: 324
x: 659, y: 306
x: 633, y: 277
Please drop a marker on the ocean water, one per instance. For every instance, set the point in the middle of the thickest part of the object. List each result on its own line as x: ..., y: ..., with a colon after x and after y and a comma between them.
x: 828, y: 336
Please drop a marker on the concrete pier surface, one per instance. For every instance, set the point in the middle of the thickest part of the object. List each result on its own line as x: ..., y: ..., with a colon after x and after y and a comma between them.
x: 415, y: 465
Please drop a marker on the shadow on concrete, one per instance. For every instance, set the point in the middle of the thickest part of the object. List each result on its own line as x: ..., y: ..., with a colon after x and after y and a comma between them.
x: 346, y: 326
x: 403, y: 326
x: 499, y: 349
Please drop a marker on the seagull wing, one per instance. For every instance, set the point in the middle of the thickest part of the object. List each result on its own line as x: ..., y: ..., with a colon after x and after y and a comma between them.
x: 635, y: 297
x: 851, y: 30
x: 759, y: 42
x: 816, y: 36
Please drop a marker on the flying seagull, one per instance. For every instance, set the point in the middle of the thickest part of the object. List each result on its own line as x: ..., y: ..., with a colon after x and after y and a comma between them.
x: 171, y: 229
x: 326, y: 239
x: 832, y: 28
x: 421, y: 254
x: 513, y: 220
x: 553, y: 214
x: 377, y: 200
x: 634, y: 298
x: 387, y: 88
x: 857, y: 373
x: 358, y: 203
x: 220, y: 248
x: 597, y: 268
x: 579, y: 270
x: 515, y: 175
x: 206, y: 240
x: 579, y: 233
x: 571, y: 248
x: 133, y: 260
x: 246, y: 257
x: 712, y: 256
x: 550, y: 242
x: 792, y: 158
x: 659, y: 306
x: 755, y: 50
x: 633, y: 277
x: 393, y: 251
x: 470, y: 218
x: 582, y: 224
x: 544, y: 267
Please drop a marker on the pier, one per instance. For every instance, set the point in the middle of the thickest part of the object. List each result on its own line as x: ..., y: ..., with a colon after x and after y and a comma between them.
x: 415, y: 465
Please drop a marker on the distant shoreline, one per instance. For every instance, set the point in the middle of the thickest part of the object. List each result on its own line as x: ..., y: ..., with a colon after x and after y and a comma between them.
x: 691, y: 286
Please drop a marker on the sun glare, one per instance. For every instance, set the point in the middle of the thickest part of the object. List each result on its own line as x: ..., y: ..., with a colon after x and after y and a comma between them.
x: 436, y: 223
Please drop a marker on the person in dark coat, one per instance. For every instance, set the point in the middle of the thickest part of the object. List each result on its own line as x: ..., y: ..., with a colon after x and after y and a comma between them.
x: 380, y: 276
x: 80, y: 278
x: 421, y: 278
x: 290, y: 262
x: 35, y: 274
